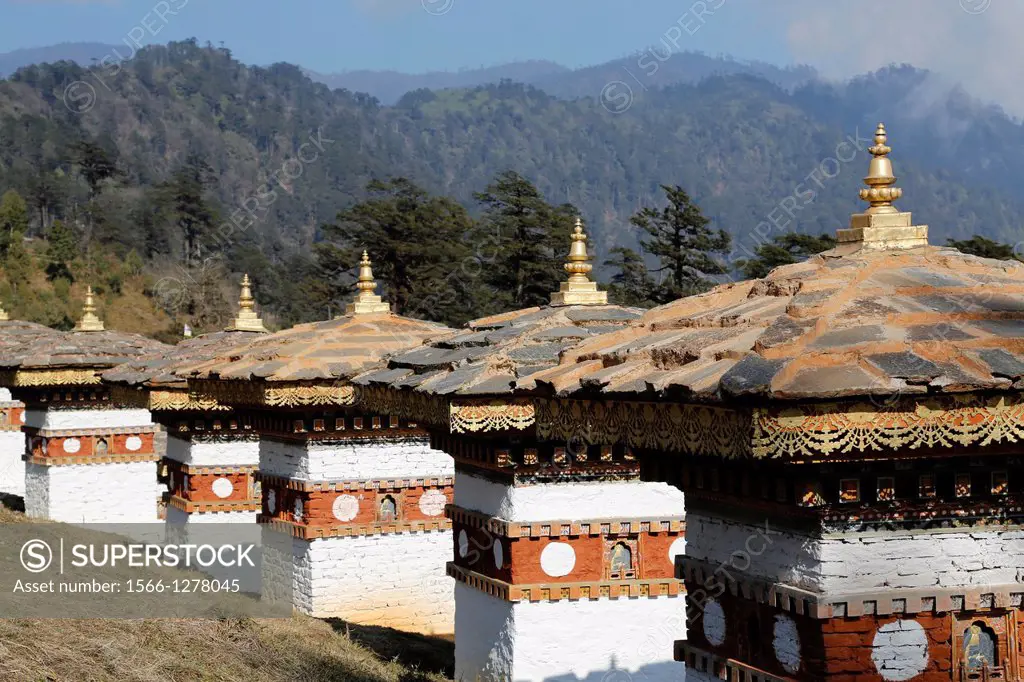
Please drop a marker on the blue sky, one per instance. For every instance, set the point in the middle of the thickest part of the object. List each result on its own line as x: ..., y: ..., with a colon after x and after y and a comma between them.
x: 403, y: 34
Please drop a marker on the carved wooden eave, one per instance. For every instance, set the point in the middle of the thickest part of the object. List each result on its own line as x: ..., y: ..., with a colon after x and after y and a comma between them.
x: 167, y: 399
x: 806, y: 431
x: 258, y: 393
x: 476, y: 415
x: 27, y: 378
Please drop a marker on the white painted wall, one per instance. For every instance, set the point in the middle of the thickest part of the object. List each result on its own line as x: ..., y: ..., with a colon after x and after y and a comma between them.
x: 203, y: 450
x: 354, y: 461
x: 616, y: 640
x: 860, y: 562
x: 394, y: 580
x: 573, y: 501
x: 177, y: 517
x: 12, y: 467
x: 5, y: 395
x: 92, y: 493
x: 69, y: 418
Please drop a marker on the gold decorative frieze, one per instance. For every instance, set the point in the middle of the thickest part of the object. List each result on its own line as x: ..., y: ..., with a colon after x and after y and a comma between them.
x: 50, y: 377
x: 831, y: 429
x: 181, y: 400
x: 617, y: 589
x: 258, y: 393
x: 492, y: 415
x: 420, y: 407
x: 695, y: 429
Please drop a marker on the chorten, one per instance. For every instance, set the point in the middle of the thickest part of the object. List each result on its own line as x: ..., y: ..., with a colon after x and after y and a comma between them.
x: 247, y: 320
x: 367, y: 302
x: 579, y: 290
x: 89, y: 322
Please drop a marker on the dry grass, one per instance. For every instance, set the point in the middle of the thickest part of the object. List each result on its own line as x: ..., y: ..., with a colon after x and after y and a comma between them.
x: 242, y: 650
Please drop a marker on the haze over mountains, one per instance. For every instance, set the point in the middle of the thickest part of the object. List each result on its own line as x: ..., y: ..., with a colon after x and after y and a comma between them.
x: 763, y: 150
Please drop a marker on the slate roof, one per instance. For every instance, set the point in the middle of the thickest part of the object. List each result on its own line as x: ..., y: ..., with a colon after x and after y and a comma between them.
x: 17, y: 335
x: 497, y: 355
x: 158, y: 369
x: 318, y: 351
x: 843, y: 324
x: 57, y: 349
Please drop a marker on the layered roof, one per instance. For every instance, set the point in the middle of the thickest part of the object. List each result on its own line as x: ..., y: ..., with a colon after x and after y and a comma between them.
x: 883, y: 314
x: 311, y: 364
x: 158, y: 370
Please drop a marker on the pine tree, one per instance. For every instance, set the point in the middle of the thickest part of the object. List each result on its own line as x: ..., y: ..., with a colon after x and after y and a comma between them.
x: 419, y: 245
x: 783, y: 250
x: 13, y: 219
x: 679, y: 236
x: 632, y: 284
x: 190, y: 207
x: 530, y: 239
x: 984, y: 248
x: 61, y: 250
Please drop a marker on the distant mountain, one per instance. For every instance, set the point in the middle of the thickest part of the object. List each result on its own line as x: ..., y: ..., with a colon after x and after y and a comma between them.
x: 80, y: 53
x: 389, y: 86
x: 761, y: 153
x: 641, y: 71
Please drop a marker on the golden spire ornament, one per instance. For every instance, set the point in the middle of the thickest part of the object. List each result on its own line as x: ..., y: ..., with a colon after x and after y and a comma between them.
x: 579, y: 290
x: 247, y: 319
x: 366, y: 302
x: 881, y: 227
x: 89, y: 322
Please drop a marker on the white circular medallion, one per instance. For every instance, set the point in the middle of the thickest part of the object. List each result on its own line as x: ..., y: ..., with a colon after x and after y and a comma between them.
x: 133, y: 443
x: 787, y: 643
x: 499, y: 554
x: 714, y: 623
x: 223, y: 488
x: 345, y: 507
x: 677, y: 548
x: 900, y: 650
x: 22, y: 416
x: 298, y: 510
x: 72, y: 445
x: 432, y: 502
x: 272, y: 501
x: 463, y: 544
x: 558, y: 559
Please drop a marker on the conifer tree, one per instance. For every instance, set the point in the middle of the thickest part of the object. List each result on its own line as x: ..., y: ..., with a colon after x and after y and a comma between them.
x: 13, y: 219
x: 984, y: 248
x: 61, y: 249
x: 679, y: 236
x: 419, y: 247
x: 632, y: 284
x: 783, y: 250
x: 530, y: 240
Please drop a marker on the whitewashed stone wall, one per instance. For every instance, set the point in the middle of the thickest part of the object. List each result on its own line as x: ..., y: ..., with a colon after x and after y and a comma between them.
x: 12, y: 467
x: 92, y: 493
x: 69, y: 418
x: 205, y: 450
x: 548, y: 502
x: 602, y: 640
x: 394, y: 580
x: 354, y: 460
x: 863, y: 562
x: 177, y: 517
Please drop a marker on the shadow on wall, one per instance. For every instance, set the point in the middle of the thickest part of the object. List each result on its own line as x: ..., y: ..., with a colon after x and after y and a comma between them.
x: 656, y: 672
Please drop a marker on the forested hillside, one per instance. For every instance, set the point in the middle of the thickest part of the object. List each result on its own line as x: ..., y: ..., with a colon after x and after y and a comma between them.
x: 265, y: 157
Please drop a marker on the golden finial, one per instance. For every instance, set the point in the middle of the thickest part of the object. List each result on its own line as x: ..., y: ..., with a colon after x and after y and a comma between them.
x: 366, y: 301
x: 579, y: 290
x: 247, y: 319
x: 881, y: 190
x: 881, y: 226
x: 89, y: 322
